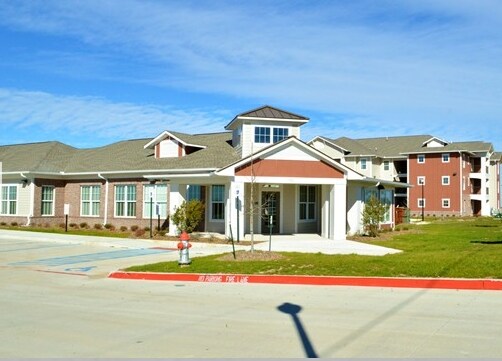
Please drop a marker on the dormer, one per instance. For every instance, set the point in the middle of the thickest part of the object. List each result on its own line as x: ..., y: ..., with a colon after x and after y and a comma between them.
x: 262, y: 127
x: 169, y: 145
x: 434, y: 142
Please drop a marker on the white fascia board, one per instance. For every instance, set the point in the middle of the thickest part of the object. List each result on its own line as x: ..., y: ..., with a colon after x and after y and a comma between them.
x: 229, y: 170
x: 290, y: 180
x: 376, y: 182
x: 320, y: 138
x: 435, y: 138
x: 166, y: 134
x: 237, y: 119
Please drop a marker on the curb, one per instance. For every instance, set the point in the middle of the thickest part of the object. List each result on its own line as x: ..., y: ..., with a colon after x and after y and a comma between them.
x: 432, y: 283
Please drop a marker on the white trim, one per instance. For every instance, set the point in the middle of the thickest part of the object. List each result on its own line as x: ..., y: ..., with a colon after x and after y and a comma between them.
x: 90, y: 201
x: 442, y: 203
x: 298, y: 202
x: 443, y: 156
x: 166, y: 134
x: 443, y: 178
x: 211, y: 219
x: 8, y: 200
x: 418, y: 158
x: 125, y: 200
x: 418, y: 203
x: 53, y: 201
x: 420, y: 180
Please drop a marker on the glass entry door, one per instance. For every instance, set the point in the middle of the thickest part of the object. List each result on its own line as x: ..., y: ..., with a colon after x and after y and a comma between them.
x: 270, y: 207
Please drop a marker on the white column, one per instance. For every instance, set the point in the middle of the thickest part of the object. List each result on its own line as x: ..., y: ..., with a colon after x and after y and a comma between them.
x: 338, y: 202
x: 236, y: 210
x: 175, y: 200
x: 325, y: 210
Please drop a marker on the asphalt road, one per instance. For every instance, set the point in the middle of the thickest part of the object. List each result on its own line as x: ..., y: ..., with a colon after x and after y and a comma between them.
x: 50, y: 306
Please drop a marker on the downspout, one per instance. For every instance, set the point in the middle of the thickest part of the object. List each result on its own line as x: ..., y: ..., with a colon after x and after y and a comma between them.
x: 461, y: 184
x: 32, y: 198
x: 105, y: 219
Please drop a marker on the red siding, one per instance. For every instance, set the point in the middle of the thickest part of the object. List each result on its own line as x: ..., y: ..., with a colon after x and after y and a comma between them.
x: 434, y: 191
x: 289, y: 168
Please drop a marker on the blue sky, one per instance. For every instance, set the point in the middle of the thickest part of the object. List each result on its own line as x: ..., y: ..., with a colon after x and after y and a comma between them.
x: 89, y: 73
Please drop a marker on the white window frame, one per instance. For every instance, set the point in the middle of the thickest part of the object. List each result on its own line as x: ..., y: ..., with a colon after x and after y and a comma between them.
x: 421, y: 200
x: 213, y: 202
x: 386, y: 165
x: 269, y: 135
x: 146, y: 201
x: 52, y: 201
x: 443, y: 200
x: 363, y: 163
x: 126, y: 201
x: 91, y: 201
x: 445, y: 158
x: 9, y: 200
x: 421, y: 158
x: 421, y: 180
x: 275, y: 137
x: 447, y: 178
x: 307, y: 203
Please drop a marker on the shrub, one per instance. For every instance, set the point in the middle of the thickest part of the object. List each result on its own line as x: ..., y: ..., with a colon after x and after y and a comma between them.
x: 13, y: 224
x: 123, y: 228
x: 3, y: 224
x: 62, y: 225
x: 73, y: 225
x: 98, y: 226
x: 188, y: 215
x: 146, y: 229
x: 134, y: 228
x: 108, y: 226
x: 84, y: 225
x: 139, y: 232
x: 162, y: 233
x: 373, y: 214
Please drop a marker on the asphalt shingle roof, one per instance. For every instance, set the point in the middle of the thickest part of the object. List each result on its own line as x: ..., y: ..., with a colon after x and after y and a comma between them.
x: 121, y: 156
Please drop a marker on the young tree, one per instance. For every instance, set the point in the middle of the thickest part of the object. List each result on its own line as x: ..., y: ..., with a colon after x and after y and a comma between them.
x: 188, y: 215
x: 373, y: 214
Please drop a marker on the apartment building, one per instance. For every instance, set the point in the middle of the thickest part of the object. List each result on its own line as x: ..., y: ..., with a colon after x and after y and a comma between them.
x: 447, y: 178
x: 258, y: 162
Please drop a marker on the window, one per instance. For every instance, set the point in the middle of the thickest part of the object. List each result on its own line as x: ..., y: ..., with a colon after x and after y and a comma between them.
x: 446, y: 202
x: 421, y: 158
x: 262, y: 135
x: 421, y: 202
x: 90, y: 200
x: 218, y: 202
x: 385, y: 196
x: 8, y: 199
x: 421, y: 180
x: 125, y: 201
x: 280, y: 134
x: 158, y: 193
x: 307, y: 203
x: 386, y: 165
x: 445, y: 180
x: 47, y: 201
x: 194, y: 192
x: 363, y: 163
x: 445, y: 158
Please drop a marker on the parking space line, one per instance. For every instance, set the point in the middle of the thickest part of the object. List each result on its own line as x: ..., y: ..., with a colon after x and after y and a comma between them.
x: 90, y: 257
x: 38, y: 247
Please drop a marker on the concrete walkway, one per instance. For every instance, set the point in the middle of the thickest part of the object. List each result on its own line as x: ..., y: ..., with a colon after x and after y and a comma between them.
x: 304, y: 243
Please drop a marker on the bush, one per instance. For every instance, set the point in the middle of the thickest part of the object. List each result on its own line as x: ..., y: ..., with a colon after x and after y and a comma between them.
x: 123, y: 228
x: 134, y: 228
x: 139, y: 232
x: 13, y: 224
x: 110, y: 227
x: 73, y: 225
x: 147, y: 229
x: 188, y: 215
x: 84, y: 225
x: 162, y: 233
x: 62, y: 225
x: 373, y: 214
x: 98, y: 226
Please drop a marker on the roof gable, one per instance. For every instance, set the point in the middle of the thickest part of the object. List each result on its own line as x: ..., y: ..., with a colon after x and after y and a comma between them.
x: 267, y: 112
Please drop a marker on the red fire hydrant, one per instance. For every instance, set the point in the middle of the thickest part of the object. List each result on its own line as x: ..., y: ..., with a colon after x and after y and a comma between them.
x: 183, y: 246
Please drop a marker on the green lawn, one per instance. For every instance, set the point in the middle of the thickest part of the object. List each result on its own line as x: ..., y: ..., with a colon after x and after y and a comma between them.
x: 457, y: 248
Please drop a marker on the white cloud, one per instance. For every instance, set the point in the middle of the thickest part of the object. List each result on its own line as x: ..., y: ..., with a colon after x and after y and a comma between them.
x: 79, y: 120
x: 426, y: 66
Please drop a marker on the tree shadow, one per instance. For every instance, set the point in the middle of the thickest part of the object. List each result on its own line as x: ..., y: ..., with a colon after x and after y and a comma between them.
x: 487, y: 242
x: 293, y: 310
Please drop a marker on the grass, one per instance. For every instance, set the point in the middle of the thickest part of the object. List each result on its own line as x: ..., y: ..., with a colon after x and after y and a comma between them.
x: 456, y: 248
x: 78, y: 232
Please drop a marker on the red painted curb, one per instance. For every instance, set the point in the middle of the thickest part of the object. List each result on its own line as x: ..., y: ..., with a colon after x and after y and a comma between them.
x: 439, y: 283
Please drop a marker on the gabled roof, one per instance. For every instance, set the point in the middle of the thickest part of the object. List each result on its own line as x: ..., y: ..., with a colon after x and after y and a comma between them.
x: 174, y: 135
x: 228, y: 170
x: 439, y: 140
x: 496, y: 156
x: 123, y: 156
x: 267, y: 112
x: 469, y: 147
